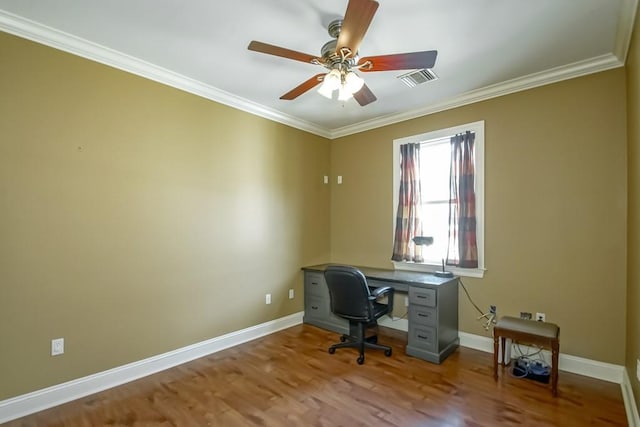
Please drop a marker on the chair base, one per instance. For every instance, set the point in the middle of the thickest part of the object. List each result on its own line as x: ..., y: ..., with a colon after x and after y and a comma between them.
x: 360, y: 342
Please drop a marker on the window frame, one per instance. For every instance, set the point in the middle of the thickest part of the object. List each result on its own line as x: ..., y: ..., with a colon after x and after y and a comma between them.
x: 478, y: 129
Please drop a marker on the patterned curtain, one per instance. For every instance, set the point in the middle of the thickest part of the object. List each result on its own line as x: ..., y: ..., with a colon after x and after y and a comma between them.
x: 408, y: 223
x: 462, y: 250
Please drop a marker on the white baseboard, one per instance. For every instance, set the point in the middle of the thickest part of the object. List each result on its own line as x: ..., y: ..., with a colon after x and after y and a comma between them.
x: 39, y: 400
x: 629, y: 402
x: 566, y: 362
x: 577, y: 365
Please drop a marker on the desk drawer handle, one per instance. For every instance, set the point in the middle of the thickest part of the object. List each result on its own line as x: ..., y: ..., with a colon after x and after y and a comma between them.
x: 314, y: 307
x: 423, y: 315
x: 314, y: 283
x: 423, y: 337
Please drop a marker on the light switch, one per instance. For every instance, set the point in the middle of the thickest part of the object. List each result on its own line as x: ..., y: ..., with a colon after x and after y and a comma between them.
x: 326, y: 179
x: 339, y: 179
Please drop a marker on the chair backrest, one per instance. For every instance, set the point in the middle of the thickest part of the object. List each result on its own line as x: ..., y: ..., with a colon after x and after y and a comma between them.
x: 349, y: 293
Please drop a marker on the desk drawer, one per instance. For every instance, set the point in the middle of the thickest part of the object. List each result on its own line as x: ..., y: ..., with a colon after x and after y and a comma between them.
x: 314, y: 284
x: 316, y: 307
x: 423, y: 337
x: 419, y: 315
x: 422, y: 296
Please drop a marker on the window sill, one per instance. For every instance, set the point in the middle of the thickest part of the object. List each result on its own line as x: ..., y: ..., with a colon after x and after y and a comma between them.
x: 430, y: 268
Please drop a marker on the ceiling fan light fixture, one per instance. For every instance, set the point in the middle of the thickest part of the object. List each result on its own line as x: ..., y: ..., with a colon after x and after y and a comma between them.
x: 352, y: 82
x: 325, y: 91
x: 344, y: 94
x: 340, y: 54
x: 330, y: 83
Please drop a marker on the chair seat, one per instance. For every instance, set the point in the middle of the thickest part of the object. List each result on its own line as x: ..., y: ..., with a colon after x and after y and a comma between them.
x: 543, y: 329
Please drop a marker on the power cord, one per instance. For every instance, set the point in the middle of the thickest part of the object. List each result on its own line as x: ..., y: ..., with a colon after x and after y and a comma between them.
x: 536, y: 352
x: 490, y: 320
x: 525, y: 366
x: 490, y: 317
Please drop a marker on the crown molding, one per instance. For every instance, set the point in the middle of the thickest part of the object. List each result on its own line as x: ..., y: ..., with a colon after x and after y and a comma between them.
x: 626, y: 19
x: 34, y: 31
x: 554, y: 75
x: 48, y: 36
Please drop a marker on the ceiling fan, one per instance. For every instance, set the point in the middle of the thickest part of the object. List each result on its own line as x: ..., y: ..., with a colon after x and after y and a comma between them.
x: 340, y: 57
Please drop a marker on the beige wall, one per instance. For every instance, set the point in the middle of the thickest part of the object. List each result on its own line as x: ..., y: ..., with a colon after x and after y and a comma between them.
x: 556, y: 189
x: 633, y: 221
x: 128, y: 222
x: 137, y: 218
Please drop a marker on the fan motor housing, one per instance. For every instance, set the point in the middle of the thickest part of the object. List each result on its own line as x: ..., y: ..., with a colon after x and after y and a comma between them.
x: 328, y: 51
x: 334, y: 28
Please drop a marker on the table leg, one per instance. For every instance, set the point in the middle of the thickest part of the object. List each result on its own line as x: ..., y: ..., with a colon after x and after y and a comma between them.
x: 495, y: 357
x: 555, y: 350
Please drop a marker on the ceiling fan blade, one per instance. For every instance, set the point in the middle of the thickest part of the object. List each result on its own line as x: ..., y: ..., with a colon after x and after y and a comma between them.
x: 356, y: 22
x: 283, y: 52
x: 400, y: 61
x: 364, y: 96
x: 304, y: 87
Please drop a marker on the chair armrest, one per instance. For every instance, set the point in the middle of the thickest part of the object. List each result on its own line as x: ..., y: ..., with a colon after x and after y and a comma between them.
x: 387, y: 291
x: 380, y: 292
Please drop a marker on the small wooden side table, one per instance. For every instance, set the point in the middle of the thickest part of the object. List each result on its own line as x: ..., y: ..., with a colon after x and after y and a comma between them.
x: 543, y: 334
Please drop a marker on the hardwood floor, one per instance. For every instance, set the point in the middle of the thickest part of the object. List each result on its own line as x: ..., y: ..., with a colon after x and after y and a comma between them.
x: 289, y: 379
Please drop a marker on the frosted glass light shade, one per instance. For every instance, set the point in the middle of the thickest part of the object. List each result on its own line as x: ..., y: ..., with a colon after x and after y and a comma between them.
x: 353, y: 82
x: 325, y: 91
x: 331, y: 82
x: 344, y: 94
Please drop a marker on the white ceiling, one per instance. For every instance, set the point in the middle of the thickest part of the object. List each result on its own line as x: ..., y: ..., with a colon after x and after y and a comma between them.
x: 486, y: 48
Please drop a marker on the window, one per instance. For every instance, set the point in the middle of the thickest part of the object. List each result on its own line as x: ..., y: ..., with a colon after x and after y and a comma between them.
x: 435, y: 204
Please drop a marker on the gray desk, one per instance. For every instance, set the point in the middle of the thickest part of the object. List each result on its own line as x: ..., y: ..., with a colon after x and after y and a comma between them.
x: 432, y: 311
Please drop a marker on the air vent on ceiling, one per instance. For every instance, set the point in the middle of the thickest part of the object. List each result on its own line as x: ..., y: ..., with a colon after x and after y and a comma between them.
x: 415, y: 78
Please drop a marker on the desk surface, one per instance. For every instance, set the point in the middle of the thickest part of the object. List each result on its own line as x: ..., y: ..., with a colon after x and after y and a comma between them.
x: 397, y: 276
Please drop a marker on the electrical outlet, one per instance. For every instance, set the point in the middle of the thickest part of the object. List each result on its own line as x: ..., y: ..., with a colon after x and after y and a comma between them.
x: 541, y: 317
x: 493, y: 309
x: 57, y: 346
x: 525, y: 315
x: 267, y: 299
x: 291, y: 294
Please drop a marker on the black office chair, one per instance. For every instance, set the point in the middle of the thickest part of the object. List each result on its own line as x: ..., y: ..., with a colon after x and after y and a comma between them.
x: 352, y: 299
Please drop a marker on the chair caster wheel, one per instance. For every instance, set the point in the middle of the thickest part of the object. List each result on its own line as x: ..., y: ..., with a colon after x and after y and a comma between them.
x: 360, y: 359
x: 343, y: 338
x: 332, y: 350
x: 387, y: 353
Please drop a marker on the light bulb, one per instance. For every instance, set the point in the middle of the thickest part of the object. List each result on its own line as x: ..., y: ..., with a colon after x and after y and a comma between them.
x: 353, y: 82
x: 325, y: 91
x: 344, y: 94
x: 330, y: 83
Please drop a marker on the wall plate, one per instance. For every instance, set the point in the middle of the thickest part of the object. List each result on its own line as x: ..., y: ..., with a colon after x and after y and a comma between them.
x: 57, y: 346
